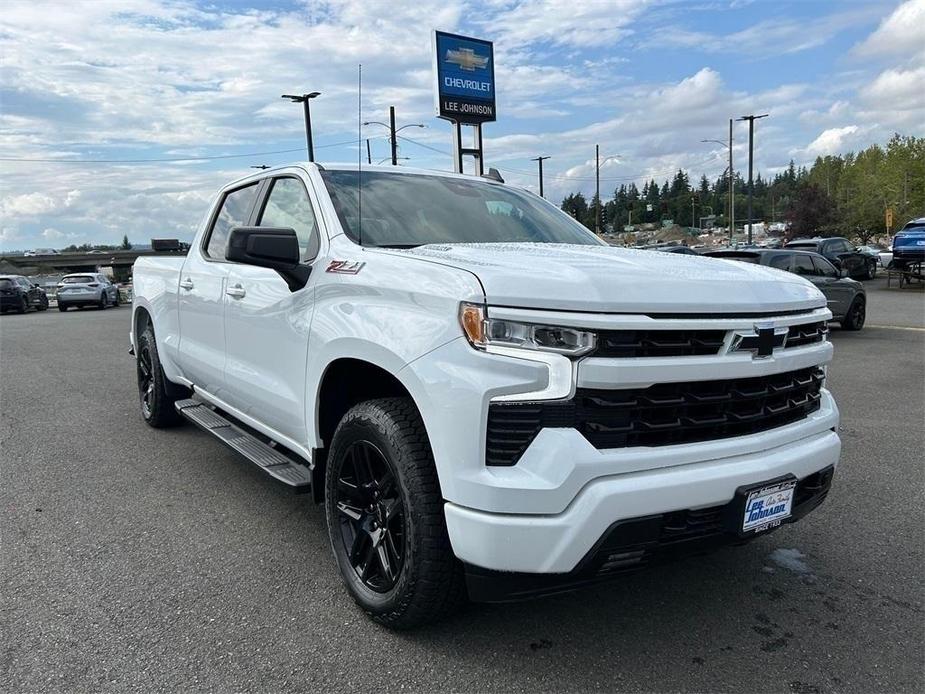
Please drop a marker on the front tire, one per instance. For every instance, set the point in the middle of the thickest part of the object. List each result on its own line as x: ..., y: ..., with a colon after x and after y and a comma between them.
x: 62, y: 307
x: 385, y: 516
x: 857, y: 314
x: 156, y: 394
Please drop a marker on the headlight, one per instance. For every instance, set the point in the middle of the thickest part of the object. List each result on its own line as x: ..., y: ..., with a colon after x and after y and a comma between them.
x: 483, y: 331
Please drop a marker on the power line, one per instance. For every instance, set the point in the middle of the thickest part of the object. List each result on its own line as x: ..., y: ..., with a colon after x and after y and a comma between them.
x: 563, y: 177
x: 170, y: 159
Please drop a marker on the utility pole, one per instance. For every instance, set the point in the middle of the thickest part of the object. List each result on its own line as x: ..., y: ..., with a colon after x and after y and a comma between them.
x: 304, y: 99
x: 751, y: 148
x: 732, y: 185
x: 392, y: 138
x: 393, y: 133
x: 539, y: 160
x: 692, y: 210
x: 597, y: 177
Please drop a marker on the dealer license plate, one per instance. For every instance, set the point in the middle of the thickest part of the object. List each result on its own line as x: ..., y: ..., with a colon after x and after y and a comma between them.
x: 767, y: 506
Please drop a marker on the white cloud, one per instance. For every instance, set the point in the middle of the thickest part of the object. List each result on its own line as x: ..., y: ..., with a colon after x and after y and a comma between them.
x: 902, y: 32
x: 583, y: 24
x: 898, y: 88
x: 831, y: 141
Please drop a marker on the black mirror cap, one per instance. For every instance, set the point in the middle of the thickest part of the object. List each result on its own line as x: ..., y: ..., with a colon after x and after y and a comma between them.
x: 276, y: 248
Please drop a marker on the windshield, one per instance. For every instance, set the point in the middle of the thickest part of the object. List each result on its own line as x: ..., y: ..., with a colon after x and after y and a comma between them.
x: 5, y: 283
x: 78, y: 279
x: 407, y: 210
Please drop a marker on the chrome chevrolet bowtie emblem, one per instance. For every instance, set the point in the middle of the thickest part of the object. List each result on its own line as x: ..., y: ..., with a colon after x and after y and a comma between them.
x: 467, y: 59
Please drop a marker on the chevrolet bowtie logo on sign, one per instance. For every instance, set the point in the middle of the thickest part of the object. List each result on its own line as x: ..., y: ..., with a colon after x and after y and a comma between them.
x: 467, y: 59
x: 762, y: 342
x: 465, y: 72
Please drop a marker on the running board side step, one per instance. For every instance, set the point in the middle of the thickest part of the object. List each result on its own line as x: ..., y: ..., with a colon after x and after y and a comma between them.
x: 264, y: 456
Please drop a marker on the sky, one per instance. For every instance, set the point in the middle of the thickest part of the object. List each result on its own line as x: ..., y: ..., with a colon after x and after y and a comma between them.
x: 93, y: 88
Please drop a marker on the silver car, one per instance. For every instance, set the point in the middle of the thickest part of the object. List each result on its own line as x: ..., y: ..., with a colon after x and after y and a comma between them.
x: 846, y: 297
x: 86, y: 289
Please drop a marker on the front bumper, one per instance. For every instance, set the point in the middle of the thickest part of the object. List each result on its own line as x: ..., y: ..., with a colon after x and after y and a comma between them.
x: 633, y: 544
x: 557, y: 543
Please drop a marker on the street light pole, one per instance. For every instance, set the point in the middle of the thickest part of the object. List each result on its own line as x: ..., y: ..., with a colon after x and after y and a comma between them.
x: 304, y: 99
x: 751, y: 147
x: 393, y: 133
x: 597, y: 178
x: 539, y: 160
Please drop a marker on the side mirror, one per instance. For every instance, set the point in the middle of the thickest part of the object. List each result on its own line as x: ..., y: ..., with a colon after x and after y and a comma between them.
x: 842, y: 273
x: 276, y: 248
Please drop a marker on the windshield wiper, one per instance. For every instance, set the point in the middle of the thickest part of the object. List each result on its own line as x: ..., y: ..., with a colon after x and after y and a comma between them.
x: 396, y: 245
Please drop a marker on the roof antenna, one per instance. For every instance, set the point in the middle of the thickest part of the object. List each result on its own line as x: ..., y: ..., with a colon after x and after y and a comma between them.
x: 360, y: 154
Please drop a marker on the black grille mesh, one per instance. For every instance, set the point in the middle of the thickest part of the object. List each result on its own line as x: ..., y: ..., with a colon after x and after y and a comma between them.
x: 663, y: 414
x: 658, y: 343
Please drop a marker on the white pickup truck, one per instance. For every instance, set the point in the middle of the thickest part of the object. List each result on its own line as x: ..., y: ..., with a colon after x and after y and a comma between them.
x: 488, y: 399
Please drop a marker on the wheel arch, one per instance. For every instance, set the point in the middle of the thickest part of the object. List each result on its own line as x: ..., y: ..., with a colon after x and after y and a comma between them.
x: 345, y: 382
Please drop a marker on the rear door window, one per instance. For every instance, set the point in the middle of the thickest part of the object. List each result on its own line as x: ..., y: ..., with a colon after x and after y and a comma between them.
x: 824, y: 268
x: 803, y: 265
x: 6, y: 284
x: 781, y: 261
x: 234, y: 212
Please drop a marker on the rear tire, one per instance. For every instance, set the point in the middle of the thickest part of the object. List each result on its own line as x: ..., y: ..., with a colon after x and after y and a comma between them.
x: 23, y: 306
x: 385, y: 517
x: 857, y: 314
x: 104, y: 302
x: 156, y: 394
x: 62, y: 308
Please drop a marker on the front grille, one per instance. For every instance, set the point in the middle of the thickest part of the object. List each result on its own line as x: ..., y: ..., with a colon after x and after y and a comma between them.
x: 658, y: 343
x: 806, y: 334
x: 661, y: 415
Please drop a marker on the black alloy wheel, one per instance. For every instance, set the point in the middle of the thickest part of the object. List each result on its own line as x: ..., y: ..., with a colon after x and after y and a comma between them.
x: 372, y: 516
x: 856, y: 316
x: 23, y: 305
x: 146, y: 383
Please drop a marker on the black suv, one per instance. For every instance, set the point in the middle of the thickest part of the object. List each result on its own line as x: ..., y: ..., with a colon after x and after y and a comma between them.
x: 841, y: 254
x: 19, y: 294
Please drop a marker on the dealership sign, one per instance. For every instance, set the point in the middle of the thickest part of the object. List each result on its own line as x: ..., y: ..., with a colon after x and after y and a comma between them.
x: 465, y: 72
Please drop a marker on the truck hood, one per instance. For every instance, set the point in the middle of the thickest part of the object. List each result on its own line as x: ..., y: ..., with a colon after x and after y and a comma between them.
x: 620, y: 280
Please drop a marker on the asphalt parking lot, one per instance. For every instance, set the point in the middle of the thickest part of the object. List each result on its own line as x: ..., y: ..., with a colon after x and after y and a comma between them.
x: 159, y: 560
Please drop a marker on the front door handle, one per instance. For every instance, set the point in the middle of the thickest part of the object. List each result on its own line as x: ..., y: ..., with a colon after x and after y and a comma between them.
x: 237, y: 291
x: 186, y: 284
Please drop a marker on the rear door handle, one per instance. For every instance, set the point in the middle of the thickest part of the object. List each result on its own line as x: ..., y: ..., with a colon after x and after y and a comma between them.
x: 186, y: 284
x: 237, y: 291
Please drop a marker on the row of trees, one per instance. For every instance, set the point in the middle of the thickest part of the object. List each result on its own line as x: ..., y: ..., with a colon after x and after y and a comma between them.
x: 84, y: 247
x: 838, y: 195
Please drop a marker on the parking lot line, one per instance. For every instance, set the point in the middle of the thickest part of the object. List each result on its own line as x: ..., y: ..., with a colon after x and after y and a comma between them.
x: 896, y: 327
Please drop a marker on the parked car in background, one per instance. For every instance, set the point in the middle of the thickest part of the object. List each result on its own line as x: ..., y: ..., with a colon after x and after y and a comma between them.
x: 842, y: 254
x: 872, y: 251
x: 683, y: 250
x: 909, y: 244
x: 18, y: 293
x: 845, y: 297
x: 41, y: 251
x: 86, y: 289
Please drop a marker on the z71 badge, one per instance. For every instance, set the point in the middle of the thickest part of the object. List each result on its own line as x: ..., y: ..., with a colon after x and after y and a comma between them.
x: 345, y: 267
